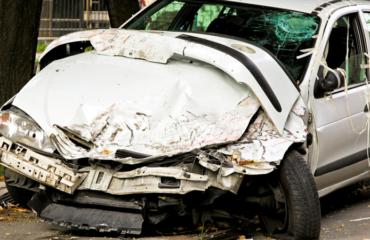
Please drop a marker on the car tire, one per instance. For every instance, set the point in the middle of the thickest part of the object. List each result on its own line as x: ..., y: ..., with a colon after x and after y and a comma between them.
x: 303, y: 213
x: 19, y: 195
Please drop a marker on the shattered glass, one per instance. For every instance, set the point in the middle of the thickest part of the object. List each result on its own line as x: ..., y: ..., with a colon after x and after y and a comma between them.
x: 284, y: 33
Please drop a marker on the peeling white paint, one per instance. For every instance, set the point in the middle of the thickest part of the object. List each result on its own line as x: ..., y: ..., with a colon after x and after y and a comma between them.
x: 148, y: 46
x: 152, y: 132
x: 261, y: 144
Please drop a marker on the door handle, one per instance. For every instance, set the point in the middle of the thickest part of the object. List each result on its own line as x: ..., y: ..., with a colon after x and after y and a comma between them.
x: 366, y: 109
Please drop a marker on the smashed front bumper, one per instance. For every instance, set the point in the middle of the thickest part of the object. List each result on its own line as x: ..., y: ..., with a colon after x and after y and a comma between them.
x: 61, y: 175
x: 112, y: 196
x: 101, y: 197
x: 43, y: 169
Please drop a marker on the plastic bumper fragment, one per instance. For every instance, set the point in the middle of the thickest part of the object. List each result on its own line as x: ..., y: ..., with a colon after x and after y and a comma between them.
x: 93, y: 219
x: 87, y: 217
x: 43, y: 169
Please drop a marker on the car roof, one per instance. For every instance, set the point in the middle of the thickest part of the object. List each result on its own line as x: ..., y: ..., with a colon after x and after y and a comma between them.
x: 306, y: 6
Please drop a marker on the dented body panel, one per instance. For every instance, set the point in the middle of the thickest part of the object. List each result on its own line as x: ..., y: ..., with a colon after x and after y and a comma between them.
x: 256, y: 152
x: 249, y: 67
x: 179, y: 102
x: 142, y: 113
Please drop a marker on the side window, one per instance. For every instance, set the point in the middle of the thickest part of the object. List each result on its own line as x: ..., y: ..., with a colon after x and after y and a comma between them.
x: 205, y: 15
x: 346, y: 47
x: 367, y: 19
x: 160, y: 20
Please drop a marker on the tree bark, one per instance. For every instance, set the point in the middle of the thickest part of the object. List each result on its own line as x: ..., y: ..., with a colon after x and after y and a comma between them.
x: 19, y: 29
x: 121, y: 10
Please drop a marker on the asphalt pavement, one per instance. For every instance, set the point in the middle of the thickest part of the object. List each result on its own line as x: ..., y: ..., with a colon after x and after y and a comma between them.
x: 344, y: 216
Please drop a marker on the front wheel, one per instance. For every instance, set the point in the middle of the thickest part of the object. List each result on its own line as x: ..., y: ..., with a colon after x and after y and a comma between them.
x: 296, y: 210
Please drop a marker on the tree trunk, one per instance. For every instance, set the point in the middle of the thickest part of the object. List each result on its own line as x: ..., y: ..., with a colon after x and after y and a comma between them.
x: 121, y: 10
x: 19, y: 29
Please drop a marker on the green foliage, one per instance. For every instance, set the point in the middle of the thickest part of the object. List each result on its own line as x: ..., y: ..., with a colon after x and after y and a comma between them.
x: 41, y: 47
x: 1, y: 171
x: 203, y: 233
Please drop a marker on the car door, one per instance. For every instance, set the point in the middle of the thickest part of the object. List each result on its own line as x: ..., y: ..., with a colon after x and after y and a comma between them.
x: 340, y: 124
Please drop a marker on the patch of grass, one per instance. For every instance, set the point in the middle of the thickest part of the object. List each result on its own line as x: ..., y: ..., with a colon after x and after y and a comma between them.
x: 88, y: 49
x: 1, y: 171
x: 203, y: 233
x: 41, y: 47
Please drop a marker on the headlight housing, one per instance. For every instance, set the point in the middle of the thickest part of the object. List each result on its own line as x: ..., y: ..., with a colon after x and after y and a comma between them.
x: 19, y: 127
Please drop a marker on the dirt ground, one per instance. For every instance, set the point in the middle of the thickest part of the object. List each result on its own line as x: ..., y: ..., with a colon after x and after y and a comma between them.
x: 338, y: 212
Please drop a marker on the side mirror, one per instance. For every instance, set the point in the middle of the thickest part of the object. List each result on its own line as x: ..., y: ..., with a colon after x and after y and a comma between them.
x: 327, y: 84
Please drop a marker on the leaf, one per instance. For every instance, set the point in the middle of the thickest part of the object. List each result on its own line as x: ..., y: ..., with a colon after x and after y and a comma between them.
x: 22, y: 210
x: 12, y: 205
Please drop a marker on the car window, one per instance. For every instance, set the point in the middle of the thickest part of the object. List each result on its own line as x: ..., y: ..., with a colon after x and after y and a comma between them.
x: 367, y: 19
x: 161, y: 18
x: 354, y: 69
x: 205, y: 16
x: 284, y: 33
x: 346, y: 47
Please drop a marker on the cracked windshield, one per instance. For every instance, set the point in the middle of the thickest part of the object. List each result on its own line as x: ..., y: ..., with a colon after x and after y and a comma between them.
x: 283, y: 33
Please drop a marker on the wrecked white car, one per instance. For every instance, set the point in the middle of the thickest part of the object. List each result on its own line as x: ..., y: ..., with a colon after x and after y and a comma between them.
x: 196, y: 111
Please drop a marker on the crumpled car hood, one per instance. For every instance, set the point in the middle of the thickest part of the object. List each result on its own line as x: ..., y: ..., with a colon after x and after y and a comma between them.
x: 120, y: 103
x: 200, y: 97
x: 246, y: 63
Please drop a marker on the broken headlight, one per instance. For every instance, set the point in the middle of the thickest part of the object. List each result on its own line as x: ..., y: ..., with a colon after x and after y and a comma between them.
x: 19, y: 127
